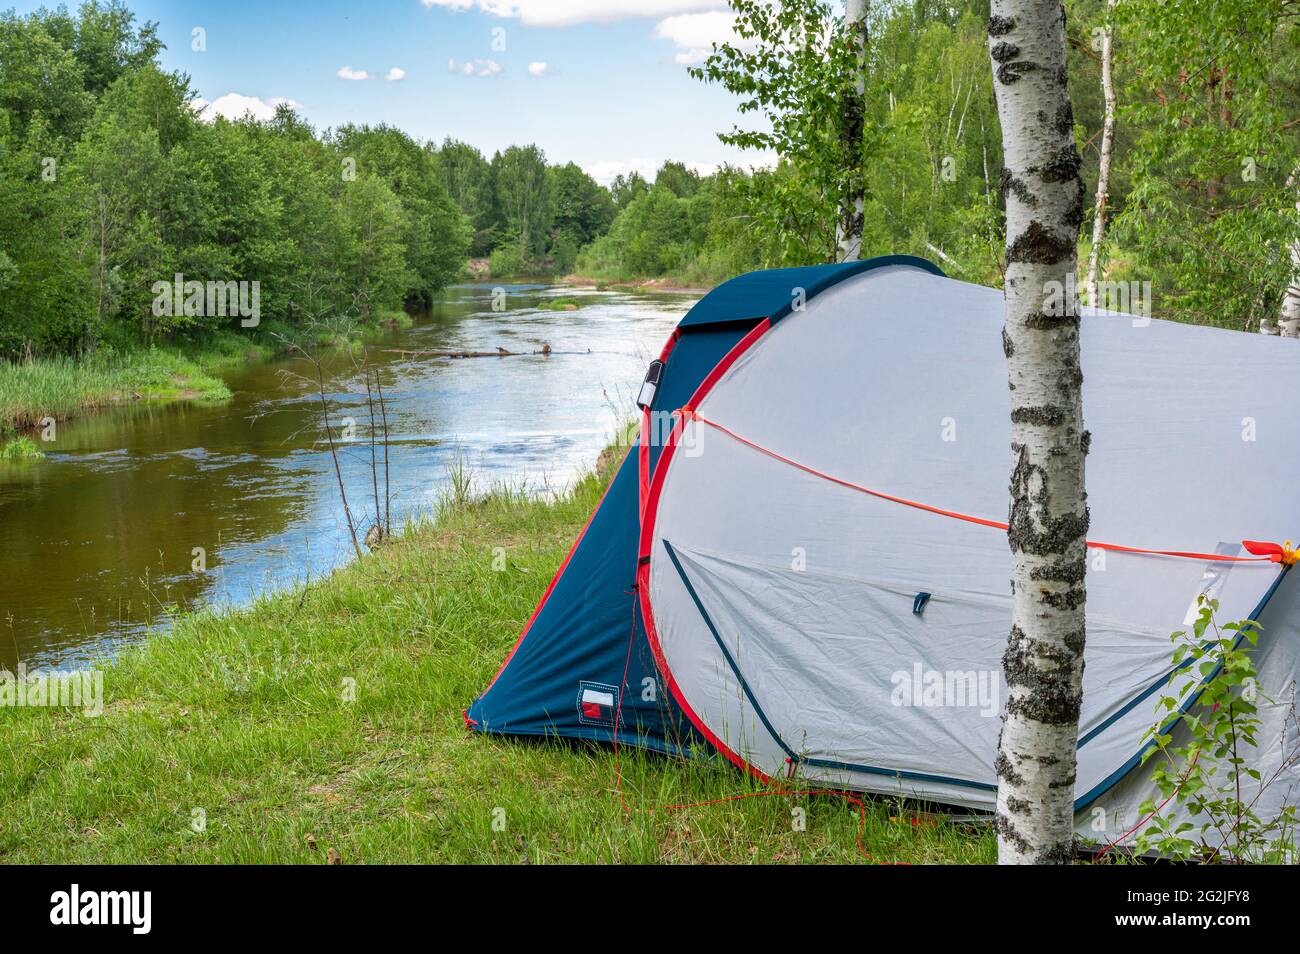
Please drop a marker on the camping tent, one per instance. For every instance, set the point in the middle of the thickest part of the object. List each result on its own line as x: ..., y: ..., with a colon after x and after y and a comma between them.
x: 811, y: 565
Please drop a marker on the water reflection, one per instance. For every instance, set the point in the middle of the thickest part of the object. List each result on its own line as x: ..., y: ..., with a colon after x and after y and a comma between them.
x: 98, y: 541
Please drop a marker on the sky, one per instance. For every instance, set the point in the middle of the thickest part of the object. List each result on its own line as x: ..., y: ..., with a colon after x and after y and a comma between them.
x: 602, y: 83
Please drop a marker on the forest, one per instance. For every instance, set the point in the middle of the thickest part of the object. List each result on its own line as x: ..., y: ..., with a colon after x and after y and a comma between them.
x: 112, y: 178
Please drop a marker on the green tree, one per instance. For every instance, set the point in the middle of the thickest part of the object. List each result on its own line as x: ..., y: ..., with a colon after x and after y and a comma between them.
x: 800, y: 68
x: 583, y: 211
x: 681, y: 181
x: 126, y: 186
x: 437, y: 238
x: 625, y: 188
x: 523, y: 197
x: 370, y: 250
x: 1212, y: 211
x: 467, y: 177
x: 39, y: 77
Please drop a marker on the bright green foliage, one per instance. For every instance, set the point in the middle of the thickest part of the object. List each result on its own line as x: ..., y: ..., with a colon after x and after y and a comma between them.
x: 933, y: 179
x: 797, y: 67
x: 582, y: 212
x: 112, y: 184
x: 652, y: 236
x: 436, y: 234
x: 1208, y: 775
x: 467, y: 177
x: 625, y: 188
x: 523, y: 197
x: 1215, y: 90
x: 678, y: 179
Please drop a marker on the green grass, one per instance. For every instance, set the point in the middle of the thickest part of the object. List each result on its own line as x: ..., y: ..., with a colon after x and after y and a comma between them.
x: 242, y: 715
x: 20, y: 448
x: 60, y: 387
x: 559, y: 304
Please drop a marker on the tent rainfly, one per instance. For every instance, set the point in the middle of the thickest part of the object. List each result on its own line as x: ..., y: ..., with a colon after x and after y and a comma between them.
x: 804, y: 568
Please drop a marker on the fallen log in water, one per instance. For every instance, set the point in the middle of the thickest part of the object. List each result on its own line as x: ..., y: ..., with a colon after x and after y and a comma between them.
x: 499, y: 353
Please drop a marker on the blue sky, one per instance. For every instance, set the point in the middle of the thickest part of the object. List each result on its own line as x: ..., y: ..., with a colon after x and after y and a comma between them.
x: 613, y: 92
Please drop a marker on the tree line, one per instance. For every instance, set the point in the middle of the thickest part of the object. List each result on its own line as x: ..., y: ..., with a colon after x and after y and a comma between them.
x: 115, y: 188
x: 111, y: 181
x: 893, y: 117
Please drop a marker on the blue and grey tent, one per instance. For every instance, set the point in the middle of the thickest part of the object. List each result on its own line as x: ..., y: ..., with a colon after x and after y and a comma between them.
x: 564, y: 677
x: 808, y: 572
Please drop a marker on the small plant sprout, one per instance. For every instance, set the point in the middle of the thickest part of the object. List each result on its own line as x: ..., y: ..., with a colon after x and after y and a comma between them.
x: 1207, y: 743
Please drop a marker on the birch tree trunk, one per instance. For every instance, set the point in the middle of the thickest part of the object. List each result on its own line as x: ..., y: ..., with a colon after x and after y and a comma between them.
x: 1288, y: 325
x: 1107, y: 146
x: 1048, y: 520
x: 848, y: 230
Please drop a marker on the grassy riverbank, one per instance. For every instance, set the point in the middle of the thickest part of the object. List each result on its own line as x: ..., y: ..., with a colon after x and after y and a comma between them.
x: 61, y: 388
x: 243, y: 716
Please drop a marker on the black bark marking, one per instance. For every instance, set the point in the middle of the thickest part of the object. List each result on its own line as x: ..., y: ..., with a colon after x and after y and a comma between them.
x: 1066, y: 571
x: 1008, y: 833
x: 1046, y: 672
x: 1003, y: 769
x: 1008, y: 348
x: 1059, y: 854
x: 1009, y: 73
x: 1003, y: 51
x: 1001, y: 26
x: 1062, y: 167
x: 1023, y: 533
x: 1048, y: 699
x: 1070, y: 599
x: 1045, y: 415
x: 1064, y: 782
x: 1064, y: 123
x: 1042, y: 321
x: 1009, y: 183
x: 1018, y: 806
x: 1038, y: 245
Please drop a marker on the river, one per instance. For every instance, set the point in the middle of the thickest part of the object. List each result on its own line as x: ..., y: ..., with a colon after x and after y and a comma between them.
x: 99, y: 541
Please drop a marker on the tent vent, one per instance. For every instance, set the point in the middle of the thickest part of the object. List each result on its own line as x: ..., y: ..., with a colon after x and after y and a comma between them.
x: 918, y: 604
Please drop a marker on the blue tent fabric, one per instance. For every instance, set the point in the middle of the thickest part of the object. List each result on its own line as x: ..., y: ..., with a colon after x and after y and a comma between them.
x: 577, y: 646
x: 769, y: 293
x: 582, y: 631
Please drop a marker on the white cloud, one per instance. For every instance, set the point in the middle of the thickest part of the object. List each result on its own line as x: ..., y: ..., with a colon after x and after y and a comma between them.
x: 474, y: 67
x: 540, y: 69
x: 695, y: 33
x: 555, y: 13
x: 236, y: 105
x: 348, y: 73
x: 395, y: 74
x: 605, y: 171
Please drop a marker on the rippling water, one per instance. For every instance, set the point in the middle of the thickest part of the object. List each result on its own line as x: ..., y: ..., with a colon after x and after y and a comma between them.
x: 97, y: 541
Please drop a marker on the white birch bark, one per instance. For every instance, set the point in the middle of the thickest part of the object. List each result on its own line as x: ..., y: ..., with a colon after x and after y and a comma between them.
x: 1043, y: 663
x: 848, y: 230
x: 1107, y: 146
x: 1288, y: 324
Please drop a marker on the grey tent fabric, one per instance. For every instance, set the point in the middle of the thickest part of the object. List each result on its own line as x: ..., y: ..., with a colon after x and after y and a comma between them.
x: 787, y: 610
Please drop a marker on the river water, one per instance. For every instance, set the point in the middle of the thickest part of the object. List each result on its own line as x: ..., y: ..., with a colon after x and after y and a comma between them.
x: 98, y: 541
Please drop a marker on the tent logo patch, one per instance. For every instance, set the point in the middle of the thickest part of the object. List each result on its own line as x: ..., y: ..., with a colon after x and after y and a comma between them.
x: 597, y: 703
